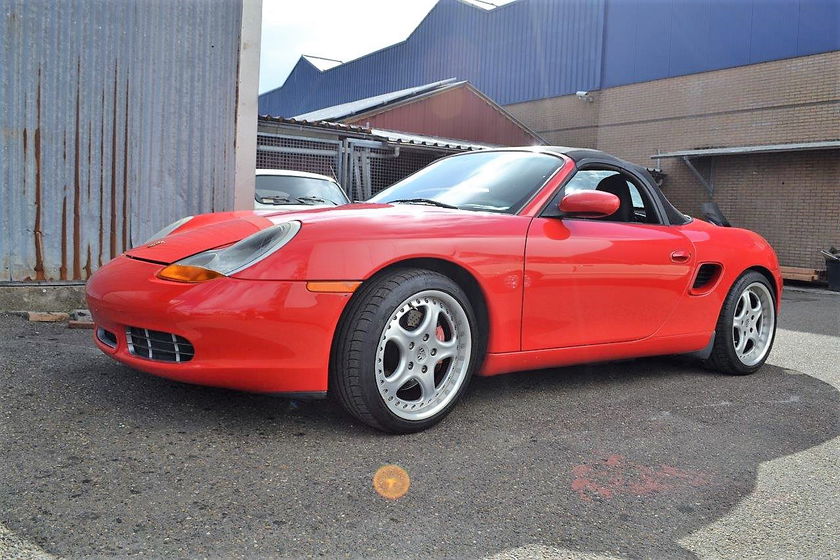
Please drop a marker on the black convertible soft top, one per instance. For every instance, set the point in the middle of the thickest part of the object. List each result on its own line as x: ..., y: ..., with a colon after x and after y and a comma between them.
x: 584, y: 156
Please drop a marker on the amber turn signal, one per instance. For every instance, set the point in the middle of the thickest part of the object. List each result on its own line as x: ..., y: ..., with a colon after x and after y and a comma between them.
x: 336, y: 287
x: 186, y: 273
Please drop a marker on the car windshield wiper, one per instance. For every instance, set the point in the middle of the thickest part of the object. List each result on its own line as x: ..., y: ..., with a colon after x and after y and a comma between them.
x: 487, y: 207
x: 424, y: 201
x: 311, y: 199
x: 278, y: 200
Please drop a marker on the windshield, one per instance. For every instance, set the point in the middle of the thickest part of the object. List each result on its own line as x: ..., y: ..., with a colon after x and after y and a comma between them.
x: 488, y: 181
x: 288, y: 189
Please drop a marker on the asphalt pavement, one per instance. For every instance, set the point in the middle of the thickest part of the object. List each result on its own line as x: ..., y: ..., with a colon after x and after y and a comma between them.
x: 648, y: 458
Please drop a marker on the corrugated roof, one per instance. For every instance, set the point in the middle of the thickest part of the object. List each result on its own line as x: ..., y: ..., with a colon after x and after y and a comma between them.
x: 408, y: 138
x: 368, y: 111
x: 346, y: 109
x: 317, y: 124
x: 382, y: 135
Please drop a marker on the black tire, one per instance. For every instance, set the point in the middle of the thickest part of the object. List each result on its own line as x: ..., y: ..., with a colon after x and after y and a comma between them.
x: 724, y: 357
x: 353, y: 362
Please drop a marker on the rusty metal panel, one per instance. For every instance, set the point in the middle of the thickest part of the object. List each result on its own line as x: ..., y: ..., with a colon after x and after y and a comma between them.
x: 117, y: 118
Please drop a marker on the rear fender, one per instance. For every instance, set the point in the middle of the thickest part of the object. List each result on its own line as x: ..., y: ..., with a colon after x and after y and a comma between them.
x: 737, y: 250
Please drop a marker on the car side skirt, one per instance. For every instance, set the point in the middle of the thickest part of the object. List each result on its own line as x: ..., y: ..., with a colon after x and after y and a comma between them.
x: 498, y: 363
x: 300, y: 395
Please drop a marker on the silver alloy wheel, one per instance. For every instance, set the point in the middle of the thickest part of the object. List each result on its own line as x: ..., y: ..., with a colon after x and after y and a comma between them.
x: 753, y: 324
x: 423, y: 355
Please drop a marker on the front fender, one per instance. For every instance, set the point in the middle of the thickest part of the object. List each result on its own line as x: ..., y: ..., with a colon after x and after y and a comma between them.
x: 490, y: 247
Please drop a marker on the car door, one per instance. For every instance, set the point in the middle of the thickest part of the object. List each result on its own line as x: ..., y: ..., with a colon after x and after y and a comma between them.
x: 598, y: 281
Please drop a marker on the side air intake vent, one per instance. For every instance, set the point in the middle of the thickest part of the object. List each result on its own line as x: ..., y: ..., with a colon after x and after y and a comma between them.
x: 706, y: 276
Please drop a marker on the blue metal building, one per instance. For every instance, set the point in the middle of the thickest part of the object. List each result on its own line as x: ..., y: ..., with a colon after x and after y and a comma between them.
x: 533, y: 49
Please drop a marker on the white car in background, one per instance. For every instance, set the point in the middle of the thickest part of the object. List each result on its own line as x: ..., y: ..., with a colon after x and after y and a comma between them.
x: 284, y: 189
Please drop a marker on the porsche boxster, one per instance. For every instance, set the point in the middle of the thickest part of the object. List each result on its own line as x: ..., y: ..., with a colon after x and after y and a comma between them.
x: 482, y: 263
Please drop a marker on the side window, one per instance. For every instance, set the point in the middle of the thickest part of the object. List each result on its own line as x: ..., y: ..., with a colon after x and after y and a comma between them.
x: 635, y: 204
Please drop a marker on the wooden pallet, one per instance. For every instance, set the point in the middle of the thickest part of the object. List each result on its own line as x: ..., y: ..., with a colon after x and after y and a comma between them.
x: 801, y: 274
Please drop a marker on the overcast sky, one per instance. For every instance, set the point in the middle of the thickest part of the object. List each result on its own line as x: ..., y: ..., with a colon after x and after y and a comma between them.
x: 341, y: 29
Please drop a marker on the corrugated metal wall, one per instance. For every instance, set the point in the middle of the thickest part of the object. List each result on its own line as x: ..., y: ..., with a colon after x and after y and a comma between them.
x: 533, y: 49
x: 653, y: 39
x: 523, y: 50
x: 117, y: 118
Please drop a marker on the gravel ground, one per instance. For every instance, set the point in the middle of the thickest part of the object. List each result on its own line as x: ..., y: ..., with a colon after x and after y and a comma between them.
x: 653, y: 458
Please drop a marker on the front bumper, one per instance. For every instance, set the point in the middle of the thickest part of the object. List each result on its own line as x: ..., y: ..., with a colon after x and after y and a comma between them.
x: 251, y: 335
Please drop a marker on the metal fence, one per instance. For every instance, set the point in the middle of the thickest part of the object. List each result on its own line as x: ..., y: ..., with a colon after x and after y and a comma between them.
x: 315, y: 155
x: 375, y: 167
x: 362, y: 167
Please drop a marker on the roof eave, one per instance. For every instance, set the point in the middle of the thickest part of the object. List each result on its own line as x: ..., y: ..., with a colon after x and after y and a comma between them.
x: 756, y: 149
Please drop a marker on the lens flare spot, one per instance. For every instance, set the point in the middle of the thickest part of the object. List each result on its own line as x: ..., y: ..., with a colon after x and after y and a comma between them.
x: 391, y: 482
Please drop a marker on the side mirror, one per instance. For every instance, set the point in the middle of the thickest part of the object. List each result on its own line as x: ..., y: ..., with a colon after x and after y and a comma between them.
x: 589, y: 204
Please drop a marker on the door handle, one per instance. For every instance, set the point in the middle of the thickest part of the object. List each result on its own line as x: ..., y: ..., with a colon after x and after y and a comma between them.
x: 680, y: 256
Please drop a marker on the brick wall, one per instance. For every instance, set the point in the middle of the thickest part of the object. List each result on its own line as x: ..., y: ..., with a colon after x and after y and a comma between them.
x: 792, y: 199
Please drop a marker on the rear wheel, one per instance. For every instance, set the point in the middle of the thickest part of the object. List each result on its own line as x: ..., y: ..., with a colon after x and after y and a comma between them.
x: 405, y: 351
x: 746, y: 327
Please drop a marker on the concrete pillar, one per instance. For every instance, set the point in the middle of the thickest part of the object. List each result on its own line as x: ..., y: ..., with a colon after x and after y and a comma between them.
x: 246, y: 110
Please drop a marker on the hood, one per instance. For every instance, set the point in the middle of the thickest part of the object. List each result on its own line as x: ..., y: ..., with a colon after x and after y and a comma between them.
x: 201, y: 234
x: 348, y: 242
x: 351, y: 223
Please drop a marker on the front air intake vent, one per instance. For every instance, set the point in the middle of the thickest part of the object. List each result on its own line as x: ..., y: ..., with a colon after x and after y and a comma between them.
x: 106, y: 337
x: 158, y: 345
x: 706, y: 276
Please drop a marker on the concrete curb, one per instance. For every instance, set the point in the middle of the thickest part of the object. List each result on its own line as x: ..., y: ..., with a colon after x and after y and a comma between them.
x: 13, y: 547
x: 42, y: 297
x: 807, y: 290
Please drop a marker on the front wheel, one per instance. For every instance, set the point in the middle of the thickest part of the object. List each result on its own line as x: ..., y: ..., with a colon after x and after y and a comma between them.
x: 405, y: 350
x: 746, y: 327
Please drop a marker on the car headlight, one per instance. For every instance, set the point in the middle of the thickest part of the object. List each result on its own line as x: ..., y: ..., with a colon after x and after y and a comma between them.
x: 230, y: 260
x: 168, y: 229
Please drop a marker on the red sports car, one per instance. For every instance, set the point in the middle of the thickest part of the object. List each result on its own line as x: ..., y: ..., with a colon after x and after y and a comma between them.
x: 485, y: 262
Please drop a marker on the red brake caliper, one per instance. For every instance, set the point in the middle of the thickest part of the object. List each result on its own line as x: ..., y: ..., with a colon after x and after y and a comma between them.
x: 440, y: 335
